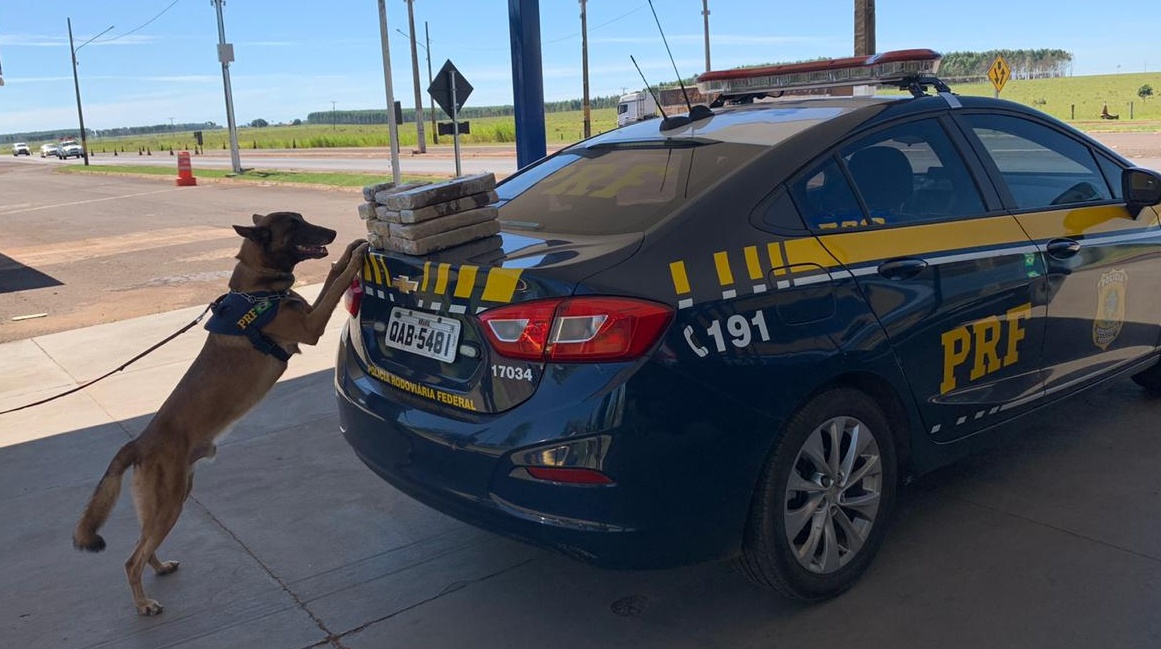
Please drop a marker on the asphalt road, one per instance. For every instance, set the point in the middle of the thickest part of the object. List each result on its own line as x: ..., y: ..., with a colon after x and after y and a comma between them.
x: 84, y: 250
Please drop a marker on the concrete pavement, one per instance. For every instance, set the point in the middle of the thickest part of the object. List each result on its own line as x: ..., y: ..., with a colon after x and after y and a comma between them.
x: 288, y: 542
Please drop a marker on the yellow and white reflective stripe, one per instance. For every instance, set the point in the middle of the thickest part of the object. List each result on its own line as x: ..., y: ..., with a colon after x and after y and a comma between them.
x: 426, y: 276
x: 855, y: 248
x: 441, y: 274
x: 1081, y: 222
x: 501, y: 284
x: 380, y: 264
x: 725, y: 274
x: 465, y: 281
x: 777, y: 258
x: 753, y: 266
x: 680, y: 283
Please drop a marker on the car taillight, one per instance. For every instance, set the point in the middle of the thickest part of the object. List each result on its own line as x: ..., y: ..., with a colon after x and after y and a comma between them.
x: 353, y: 298
x: 579, y: 329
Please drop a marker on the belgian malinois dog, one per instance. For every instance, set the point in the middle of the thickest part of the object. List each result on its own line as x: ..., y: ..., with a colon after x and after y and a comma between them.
x: 255, y: 329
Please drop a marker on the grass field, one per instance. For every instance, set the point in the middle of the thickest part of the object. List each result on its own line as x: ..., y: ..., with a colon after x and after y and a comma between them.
x: 1077, y: 100
x: 560, y: 128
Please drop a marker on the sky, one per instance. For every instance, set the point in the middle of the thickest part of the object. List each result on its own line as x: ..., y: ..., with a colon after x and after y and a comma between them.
x: 158, y: 64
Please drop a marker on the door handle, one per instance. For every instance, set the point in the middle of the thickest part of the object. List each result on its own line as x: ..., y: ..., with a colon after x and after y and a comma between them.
x: 905, y: 268
x: 1063, y: 248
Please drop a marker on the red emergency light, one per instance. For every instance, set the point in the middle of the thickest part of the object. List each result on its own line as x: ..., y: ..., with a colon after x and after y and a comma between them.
x: 888, y: 68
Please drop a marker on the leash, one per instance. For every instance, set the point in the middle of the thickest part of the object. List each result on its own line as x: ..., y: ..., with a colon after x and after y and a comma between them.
x: 123, y: 365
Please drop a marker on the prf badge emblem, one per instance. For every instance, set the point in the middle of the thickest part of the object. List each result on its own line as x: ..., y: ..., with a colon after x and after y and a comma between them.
x: 1112, y: 292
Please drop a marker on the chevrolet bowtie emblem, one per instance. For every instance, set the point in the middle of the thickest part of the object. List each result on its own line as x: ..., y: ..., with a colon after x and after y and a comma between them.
x: 404, y: 284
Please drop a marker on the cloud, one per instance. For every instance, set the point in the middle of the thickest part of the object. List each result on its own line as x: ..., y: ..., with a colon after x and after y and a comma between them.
x: 44, y: 40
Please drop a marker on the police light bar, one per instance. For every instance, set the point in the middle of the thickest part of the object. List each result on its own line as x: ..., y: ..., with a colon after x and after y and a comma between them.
x: 888, y: 68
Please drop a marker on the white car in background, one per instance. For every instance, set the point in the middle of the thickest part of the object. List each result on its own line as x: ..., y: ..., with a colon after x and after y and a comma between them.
x: 20, y: 148
x: 48, y: 149
x: 70, y: 149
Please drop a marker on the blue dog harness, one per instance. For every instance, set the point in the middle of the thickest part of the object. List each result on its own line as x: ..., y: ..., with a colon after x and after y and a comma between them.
x: 244, y: 314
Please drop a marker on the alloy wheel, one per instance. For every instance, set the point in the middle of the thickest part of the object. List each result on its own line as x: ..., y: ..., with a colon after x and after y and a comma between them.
x: 833, y: 494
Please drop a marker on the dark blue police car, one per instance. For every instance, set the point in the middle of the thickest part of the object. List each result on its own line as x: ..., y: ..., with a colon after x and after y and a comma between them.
x: 733, y: 336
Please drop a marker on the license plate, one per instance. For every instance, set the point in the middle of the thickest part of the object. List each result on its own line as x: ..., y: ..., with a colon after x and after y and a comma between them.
x: 424, y: 334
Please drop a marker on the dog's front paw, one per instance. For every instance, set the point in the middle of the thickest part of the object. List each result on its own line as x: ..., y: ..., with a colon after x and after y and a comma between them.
x: 345, y: 258
x: 167, y: 567
x: 150, y: 607
x: 358, y: 254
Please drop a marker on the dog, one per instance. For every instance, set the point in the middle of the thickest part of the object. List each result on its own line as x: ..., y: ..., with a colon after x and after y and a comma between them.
x: 254, y: 330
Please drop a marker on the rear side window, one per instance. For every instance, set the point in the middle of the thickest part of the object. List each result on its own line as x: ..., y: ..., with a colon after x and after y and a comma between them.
x: 617, y: 189
x: 1042, y: 167
x: 912, y: 173
x: 905, y: 174
x: 824, y: 198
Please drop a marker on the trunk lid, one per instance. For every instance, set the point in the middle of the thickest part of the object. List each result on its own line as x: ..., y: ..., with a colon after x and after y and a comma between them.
x: 418, y: 321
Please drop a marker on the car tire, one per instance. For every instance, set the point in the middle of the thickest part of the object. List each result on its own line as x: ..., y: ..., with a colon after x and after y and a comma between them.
x: 838, y: 516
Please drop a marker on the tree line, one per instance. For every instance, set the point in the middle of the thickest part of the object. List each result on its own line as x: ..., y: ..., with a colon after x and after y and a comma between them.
x: 1025, y: 64
x: 53, y: 136
x: 379, y: 115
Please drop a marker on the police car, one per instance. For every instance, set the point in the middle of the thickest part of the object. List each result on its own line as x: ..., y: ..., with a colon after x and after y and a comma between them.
x: 734, y: 335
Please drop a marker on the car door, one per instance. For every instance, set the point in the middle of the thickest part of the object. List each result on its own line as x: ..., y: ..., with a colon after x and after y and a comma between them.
x: 1103, y: 283
x: 945, y: 270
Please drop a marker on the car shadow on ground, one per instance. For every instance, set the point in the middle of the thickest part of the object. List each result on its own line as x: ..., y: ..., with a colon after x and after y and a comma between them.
x: 288, y: 541
x: 15, y: 276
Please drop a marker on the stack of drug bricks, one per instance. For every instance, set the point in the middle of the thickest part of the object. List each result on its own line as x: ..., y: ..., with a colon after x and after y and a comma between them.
x: 419, y: 218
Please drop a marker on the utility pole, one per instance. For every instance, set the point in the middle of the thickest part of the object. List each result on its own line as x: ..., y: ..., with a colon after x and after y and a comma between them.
x: 864, y: 27
x: 77, y: 87
x: 392, y: 127
x: 332, y: 115
x: 226, y: 56
x: 585, y: 70
x: 415, y: 78
x: 705, y: 16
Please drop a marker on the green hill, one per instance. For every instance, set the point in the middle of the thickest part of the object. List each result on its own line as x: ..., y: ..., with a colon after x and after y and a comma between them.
x: 1078, y: 100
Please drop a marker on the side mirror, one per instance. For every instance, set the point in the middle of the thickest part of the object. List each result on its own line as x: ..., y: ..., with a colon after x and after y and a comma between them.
x: 1141, y: 188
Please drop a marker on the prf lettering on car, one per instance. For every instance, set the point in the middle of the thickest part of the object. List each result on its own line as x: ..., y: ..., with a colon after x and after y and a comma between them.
x: 983, y: 341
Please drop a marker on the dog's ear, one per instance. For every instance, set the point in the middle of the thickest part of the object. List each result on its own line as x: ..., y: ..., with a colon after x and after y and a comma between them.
x: 257, y: 218
x: 257, y: 234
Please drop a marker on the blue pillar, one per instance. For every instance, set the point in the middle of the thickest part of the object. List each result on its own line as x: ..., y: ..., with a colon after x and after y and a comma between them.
x: 527, y: 80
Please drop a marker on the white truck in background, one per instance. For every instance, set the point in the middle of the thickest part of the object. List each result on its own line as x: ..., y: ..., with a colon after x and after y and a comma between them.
x: 636, y: 107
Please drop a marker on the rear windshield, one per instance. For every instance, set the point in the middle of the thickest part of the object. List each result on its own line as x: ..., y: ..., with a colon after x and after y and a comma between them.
x: 616, y: 188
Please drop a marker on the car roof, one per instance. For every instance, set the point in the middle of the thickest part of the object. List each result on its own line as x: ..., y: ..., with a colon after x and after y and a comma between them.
x: 771, y: 121
x: 765, y: 122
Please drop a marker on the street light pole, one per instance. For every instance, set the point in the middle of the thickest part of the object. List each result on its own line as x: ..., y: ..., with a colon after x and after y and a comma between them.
x: 332, y: 115
x: 77, y: 87
x: 705, y: 15
x: 415, y: 78
x: 226, y: 56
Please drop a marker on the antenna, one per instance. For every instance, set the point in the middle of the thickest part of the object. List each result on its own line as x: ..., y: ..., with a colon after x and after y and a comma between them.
x: 685, y: 94
x: 648, y: 87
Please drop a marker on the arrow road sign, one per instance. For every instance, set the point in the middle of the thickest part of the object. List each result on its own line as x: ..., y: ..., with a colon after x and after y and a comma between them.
x: 999, y: 73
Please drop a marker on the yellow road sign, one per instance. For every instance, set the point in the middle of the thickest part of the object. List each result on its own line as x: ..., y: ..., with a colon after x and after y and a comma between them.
x: 999, y: 73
